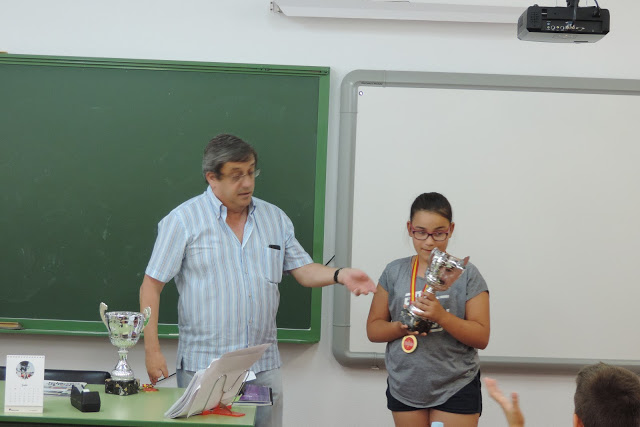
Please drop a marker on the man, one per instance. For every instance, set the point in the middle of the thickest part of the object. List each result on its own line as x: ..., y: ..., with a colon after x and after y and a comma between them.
x: 605, y: 396
x: 227, y: 251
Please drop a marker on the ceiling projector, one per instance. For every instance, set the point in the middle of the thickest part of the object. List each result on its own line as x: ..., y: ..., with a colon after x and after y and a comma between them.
x: 571, y: 24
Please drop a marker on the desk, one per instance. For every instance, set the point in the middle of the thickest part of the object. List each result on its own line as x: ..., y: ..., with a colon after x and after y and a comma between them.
x: 142, y: 409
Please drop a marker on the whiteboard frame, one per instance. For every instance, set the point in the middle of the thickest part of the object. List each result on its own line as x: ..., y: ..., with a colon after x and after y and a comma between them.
x: 344, y: 219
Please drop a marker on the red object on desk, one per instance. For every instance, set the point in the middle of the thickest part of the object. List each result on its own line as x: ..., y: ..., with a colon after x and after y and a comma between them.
x: 223, y: 410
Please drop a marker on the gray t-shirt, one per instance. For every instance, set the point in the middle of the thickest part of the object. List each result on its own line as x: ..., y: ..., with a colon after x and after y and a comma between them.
x: 441, y: 365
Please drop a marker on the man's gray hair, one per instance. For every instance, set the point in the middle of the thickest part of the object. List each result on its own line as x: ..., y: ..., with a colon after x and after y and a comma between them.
x: 225, y: 148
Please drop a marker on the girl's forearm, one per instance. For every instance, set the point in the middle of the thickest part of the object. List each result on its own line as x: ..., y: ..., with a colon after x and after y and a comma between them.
x: 384, y: 331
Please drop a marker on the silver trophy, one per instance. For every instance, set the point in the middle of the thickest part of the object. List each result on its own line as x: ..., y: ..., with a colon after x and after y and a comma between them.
x: 124, y: 329
x: 443, y: 270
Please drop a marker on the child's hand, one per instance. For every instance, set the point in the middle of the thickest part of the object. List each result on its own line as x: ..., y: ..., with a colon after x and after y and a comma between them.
x: 429, y: 304
x: 408, y: 332
x: 511, y: 407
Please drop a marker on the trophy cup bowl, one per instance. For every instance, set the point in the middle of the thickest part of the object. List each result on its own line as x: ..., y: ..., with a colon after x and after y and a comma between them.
x: 442, y: 272
x: 124, y: 329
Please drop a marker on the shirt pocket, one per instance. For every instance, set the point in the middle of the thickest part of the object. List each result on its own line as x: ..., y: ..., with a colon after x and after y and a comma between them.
x: 272, y: 265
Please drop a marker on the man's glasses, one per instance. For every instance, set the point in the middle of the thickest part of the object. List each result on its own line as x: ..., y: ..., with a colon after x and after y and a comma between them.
x: 237, y: 177
x: 438, y: 236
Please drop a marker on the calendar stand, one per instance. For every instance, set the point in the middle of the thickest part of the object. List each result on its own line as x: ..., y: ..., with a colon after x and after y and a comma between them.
x: 24, y: 384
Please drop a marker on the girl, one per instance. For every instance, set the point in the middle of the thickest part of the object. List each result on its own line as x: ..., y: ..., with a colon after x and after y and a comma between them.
x: 439, y: 378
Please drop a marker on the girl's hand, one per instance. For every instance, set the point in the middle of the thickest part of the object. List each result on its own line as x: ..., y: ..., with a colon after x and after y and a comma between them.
x: 429, y: 304
x: 406, y: 330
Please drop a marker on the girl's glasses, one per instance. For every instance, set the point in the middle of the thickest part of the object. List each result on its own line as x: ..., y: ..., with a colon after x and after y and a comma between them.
x: 438, y: 236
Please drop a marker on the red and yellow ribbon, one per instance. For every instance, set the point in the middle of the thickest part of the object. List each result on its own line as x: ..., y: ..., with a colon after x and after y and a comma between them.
x: 414, y: 275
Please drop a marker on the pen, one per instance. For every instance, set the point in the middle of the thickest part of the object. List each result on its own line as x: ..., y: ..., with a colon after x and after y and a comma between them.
x: 164, y: 378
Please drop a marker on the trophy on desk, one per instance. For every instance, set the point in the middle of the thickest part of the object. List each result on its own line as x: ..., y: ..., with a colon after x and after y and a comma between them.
x: 124, y: 329
x: 443, y: 270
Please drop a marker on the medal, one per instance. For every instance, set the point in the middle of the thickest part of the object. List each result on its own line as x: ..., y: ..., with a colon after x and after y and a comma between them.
x: 409, y: 343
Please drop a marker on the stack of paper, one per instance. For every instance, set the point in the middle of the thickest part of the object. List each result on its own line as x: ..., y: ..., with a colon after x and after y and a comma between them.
x: 60, y: 388
x: 218, y: 384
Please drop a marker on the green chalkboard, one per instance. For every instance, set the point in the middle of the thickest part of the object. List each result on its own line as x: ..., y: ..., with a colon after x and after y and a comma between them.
x: 94, y: 152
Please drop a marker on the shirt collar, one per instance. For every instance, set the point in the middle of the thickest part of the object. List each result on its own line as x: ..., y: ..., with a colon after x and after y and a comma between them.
x: 220, y: 209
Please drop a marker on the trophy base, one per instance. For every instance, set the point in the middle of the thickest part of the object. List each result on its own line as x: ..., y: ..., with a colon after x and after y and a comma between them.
x: 415, y: 323
x: 121, y: 387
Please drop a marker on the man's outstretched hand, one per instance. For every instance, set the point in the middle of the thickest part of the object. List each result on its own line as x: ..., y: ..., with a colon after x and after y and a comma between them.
x: 357, y: 281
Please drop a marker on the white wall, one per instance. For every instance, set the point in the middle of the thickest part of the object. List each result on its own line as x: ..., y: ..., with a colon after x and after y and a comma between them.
x: 319, y: 390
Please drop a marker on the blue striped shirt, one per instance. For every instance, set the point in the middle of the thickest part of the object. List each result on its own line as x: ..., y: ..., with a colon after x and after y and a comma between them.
x: 228, y: 289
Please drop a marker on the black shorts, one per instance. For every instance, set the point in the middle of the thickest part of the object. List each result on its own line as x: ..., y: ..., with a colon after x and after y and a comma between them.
x: 466, y: 401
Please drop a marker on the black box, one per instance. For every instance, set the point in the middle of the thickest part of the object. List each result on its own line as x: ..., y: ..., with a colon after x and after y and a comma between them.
x: 85, y: 400
x: 557, y: 24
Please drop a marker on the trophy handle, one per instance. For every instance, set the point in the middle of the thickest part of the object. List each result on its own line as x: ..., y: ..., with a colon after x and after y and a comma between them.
x: 147, y: 315
x: 103, y: 309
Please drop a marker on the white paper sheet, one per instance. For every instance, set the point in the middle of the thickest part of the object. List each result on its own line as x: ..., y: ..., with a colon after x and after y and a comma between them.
x: 219, y: 383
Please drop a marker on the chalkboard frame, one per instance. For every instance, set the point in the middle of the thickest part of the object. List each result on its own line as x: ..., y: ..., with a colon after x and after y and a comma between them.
x: 321, y: 74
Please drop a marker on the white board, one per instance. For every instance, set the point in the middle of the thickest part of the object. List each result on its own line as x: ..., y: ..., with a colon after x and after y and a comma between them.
x: 545, y: 189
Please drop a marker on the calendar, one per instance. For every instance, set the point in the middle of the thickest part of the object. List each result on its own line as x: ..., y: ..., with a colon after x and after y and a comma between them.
x: 24, y: 384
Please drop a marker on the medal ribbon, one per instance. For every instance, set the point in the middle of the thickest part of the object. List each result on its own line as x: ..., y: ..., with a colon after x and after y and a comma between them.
x: 410, y: 342
x: 414, y: 274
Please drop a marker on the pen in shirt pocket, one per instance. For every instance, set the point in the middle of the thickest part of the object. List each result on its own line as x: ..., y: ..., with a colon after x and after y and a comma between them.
x: 276, y: 247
